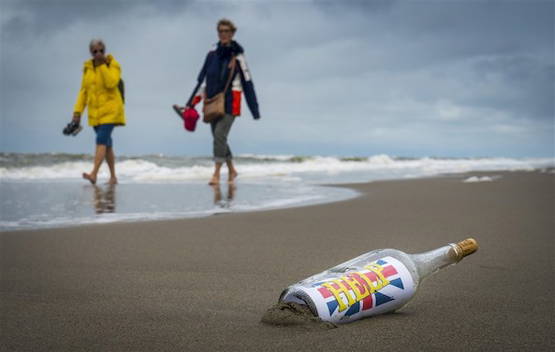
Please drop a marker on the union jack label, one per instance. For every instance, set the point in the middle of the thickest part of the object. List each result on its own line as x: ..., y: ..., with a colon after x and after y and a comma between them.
x: 381, y: 286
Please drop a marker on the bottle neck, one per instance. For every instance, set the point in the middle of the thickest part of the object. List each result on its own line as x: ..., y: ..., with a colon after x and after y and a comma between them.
x: 429, y: 262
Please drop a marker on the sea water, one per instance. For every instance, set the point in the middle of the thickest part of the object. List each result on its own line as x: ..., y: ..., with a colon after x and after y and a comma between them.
x: 45, y: 190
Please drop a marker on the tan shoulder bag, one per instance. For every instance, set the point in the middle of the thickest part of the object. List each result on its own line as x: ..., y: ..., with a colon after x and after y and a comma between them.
x: 214, y: 107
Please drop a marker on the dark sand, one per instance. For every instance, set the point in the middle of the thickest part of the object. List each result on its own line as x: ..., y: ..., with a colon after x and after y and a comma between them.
x: 204, y: 284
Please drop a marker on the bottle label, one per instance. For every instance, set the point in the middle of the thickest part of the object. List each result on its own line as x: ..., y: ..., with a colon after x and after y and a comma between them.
x: 378, y: 287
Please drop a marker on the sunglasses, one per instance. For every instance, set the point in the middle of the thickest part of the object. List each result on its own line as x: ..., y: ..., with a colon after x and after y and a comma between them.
x: 224, y: 30
x: 94, y: 52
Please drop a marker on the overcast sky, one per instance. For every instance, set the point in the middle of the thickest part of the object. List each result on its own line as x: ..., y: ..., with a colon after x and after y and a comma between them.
x: 404, y: 78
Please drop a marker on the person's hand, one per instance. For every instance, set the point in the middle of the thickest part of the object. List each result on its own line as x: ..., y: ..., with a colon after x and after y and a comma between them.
x: 98, y: 57
x: 76, y: 117
x: 99, y: 60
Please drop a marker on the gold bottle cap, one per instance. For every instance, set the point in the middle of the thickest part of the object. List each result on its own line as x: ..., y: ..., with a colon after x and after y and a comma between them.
x: 466, y: 247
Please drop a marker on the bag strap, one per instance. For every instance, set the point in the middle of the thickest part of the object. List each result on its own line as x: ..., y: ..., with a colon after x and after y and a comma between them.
x: 233, y: 62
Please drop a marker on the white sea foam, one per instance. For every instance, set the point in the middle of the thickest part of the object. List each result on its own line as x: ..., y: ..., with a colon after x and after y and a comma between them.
x: 267, y: 157
x: 255, y: 166
x: 61, y: 221
x: 474, y: 179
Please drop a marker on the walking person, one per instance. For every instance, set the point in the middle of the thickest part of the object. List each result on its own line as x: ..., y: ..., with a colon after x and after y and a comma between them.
x: 102, y: 92
x: 225, y: 59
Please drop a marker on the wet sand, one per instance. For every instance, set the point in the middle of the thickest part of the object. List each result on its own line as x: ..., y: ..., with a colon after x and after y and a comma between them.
x: 204, y: 284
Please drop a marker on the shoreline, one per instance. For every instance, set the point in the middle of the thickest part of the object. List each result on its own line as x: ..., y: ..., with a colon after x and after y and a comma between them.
x: 327, y: 195
x: 135, y: 217
x: 203, y: 284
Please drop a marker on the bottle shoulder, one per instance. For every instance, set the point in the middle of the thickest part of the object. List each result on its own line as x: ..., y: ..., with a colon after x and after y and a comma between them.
x: 404, y: 258
x: 376, y: 255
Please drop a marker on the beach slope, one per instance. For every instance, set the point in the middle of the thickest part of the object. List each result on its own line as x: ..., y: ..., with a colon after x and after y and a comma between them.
x: 203, y: 284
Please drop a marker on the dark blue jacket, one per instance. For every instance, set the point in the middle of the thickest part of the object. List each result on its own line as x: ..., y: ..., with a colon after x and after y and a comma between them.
x: 215, y: 73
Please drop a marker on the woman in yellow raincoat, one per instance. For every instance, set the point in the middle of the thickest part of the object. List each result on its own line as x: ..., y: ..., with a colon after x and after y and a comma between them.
x: 101, y: 91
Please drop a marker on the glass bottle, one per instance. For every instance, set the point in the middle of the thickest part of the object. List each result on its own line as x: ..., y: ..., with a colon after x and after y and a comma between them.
x: 376, y: 282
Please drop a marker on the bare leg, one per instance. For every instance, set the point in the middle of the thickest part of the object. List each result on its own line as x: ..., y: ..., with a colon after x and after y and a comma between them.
x: 111, y: 160
x: 98, y: 159
x: 216, y: 177
x: 231, y: 170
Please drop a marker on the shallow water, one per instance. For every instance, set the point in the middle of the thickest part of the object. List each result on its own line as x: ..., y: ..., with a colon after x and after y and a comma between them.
x: 28, y: 205
x: 45, y: 190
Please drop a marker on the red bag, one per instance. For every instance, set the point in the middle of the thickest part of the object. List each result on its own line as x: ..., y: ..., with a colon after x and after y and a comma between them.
x: 190, y: 117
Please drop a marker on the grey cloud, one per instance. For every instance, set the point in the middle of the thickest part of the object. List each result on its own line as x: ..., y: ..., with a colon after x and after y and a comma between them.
x: 36, y: 17
x: 42, y: 17
x: 390, y: 76
x: 529, y: 83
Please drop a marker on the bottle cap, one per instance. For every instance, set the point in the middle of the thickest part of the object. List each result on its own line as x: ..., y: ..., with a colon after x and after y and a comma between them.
x: 466, y: 247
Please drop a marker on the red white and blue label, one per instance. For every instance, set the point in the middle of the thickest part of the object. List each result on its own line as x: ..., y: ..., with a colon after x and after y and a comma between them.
x: 379, y: 287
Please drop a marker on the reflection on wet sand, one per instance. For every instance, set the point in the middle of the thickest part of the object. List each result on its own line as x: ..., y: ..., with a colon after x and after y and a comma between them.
x: 224, y: 203
x: 105, y: 199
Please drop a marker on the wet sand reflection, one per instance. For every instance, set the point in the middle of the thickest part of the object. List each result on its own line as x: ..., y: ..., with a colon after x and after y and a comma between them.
x: 219, y: 200
x: 105, y: 199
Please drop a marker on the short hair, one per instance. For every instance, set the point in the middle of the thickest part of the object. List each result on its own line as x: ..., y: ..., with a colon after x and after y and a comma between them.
x: 226, y: 22
x: 97, y: 41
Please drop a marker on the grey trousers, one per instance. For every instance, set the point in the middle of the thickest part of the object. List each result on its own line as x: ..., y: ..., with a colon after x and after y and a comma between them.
x: 220, y: 130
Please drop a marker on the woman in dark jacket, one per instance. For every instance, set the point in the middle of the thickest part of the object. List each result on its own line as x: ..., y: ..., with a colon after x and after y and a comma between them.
x: 212, y: 80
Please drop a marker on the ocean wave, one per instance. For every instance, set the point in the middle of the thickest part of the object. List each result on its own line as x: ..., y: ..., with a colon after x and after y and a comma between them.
x: 175, y: 169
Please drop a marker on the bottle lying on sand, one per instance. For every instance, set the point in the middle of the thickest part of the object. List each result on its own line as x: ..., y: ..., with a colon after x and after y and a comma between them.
x: 376, y: 282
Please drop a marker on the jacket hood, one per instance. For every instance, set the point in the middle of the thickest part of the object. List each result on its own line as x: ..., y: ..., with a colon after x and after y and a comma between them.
x: 236, y: 48
x: 233, y: 49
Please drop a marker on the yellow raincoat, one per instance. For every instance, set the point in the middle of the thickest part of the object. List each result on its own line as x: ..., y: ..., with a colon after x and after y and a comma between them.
x: 99, y: 92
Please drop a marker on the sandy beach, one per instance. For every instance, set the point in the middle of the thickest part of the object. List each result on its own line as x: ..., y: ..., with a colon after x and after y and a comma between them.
x: 203, y: 284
